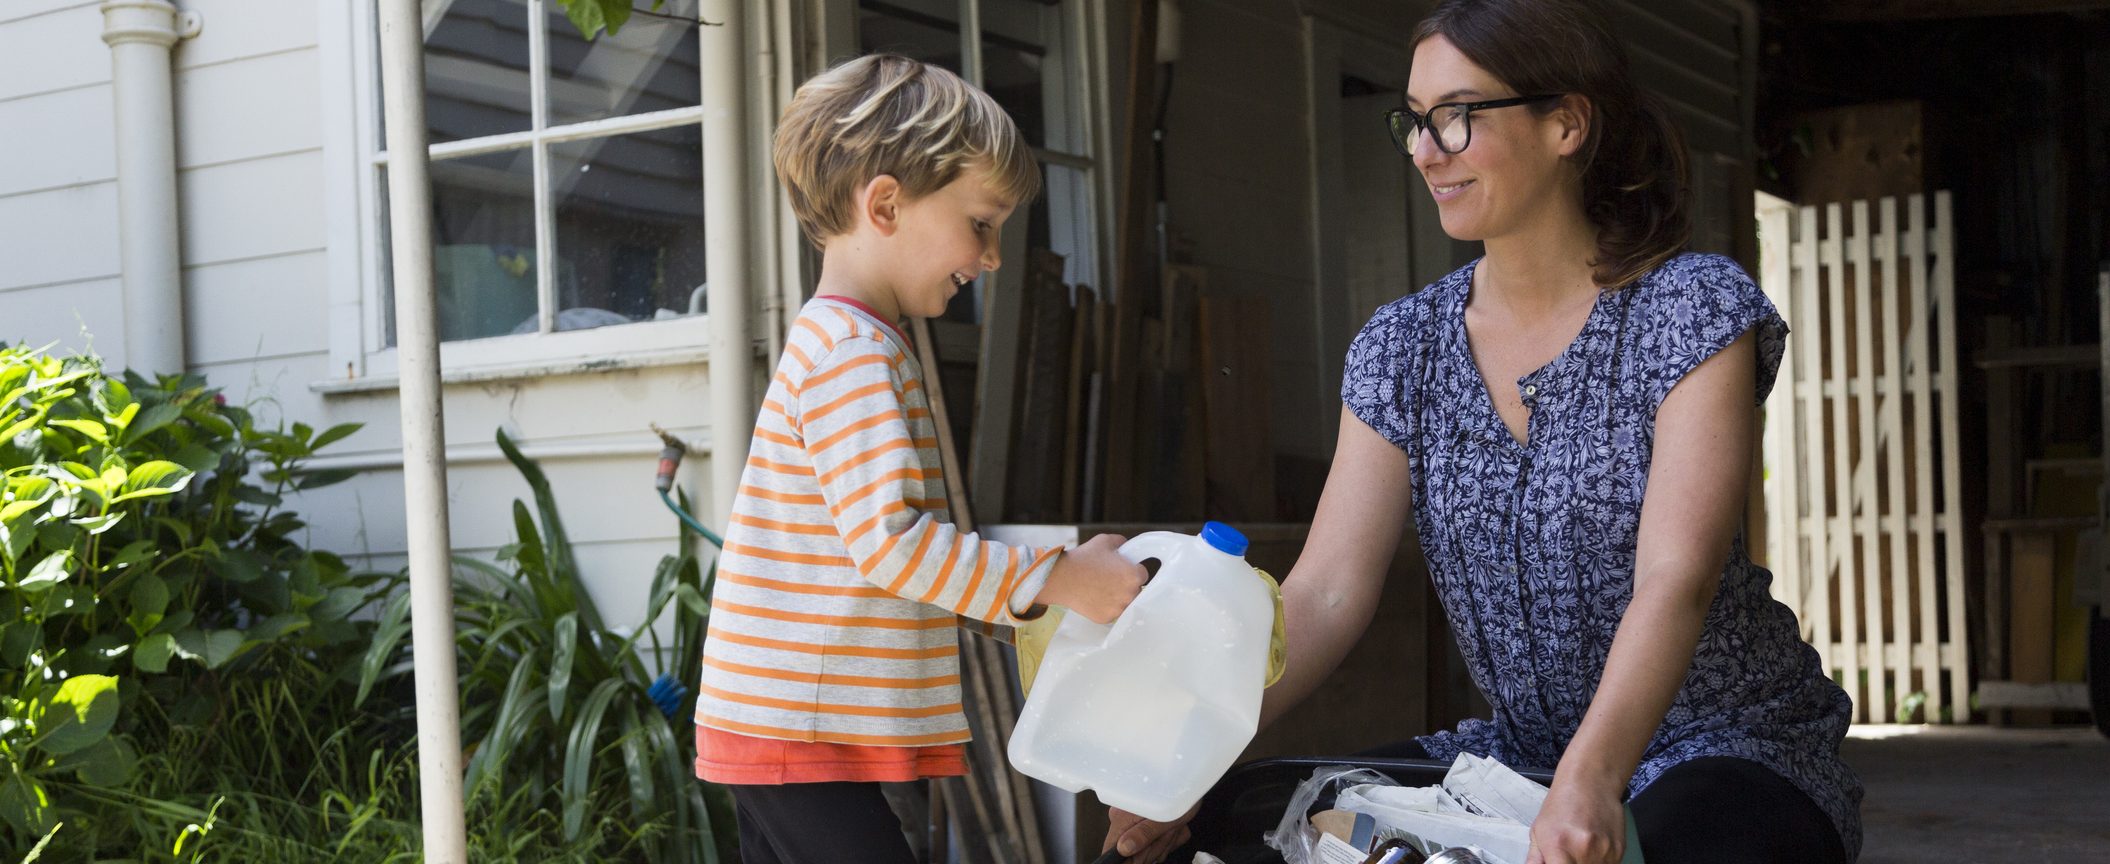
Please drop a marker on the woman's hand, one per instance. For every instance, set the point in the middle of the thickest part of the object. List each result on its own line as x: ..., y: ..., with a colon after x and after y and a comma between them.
x: 1580, y: 823
x: 1142, y: 841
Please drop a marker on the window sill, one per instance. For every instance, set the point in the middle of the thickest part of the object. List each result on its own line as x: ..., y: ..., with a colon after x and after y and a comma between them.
x: 674, y: 342
x: 519, y: 370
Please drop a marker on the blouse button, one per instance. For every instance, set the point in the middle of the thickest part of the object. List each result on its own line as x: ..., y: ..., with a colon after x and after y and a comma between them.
x: 1531, y: 389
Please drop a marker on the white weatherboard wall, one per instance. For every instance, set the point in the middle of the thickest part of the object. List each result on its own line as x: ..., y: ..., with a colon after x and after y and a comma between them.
x: 259, y: 254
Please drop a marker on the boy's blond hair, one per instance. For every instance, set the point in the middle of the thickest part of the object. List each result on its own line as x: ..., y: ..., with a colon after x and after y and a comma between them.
x: 889, y: 114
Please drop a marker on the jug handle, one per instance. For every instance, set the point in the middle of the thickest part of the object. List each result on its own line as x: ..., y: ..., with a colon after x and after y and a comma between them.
x: 1140, y: 548
x: 1151, y: 544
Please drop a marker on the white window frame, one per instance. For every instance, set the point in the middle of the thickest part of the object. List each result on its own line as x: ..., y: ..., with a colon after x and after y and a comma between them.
x: 360, y: 359
x: 1080, y: 210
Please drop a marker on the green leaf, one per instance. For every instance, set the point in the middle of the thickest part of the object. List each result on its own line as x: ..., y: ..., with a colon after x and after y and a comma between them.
x: 133, y: 553
x: 18, y: 639
x: 100, y: 652
x: 198, y: 458
x: 116, y: 395
x: 388, y: 635
x: 67, y: 598
x: 586, y: 15
x: 561, y: 566
x: 150, y: 421
x: 178, y: 527
x: 306, y: 583
x: 15, y: 541
x: 159, y: 477
x: 9, y: 432
x: 513, y: 710
x: 80, y: 714
x: 123, y: 417
x: 240, y: 566
x: 24, y: 804
x: 637, y: 763
x: 567, y: 645
x: 13, y: 510
x: 337, y: 604
x: 274, y: 627
x: 213, y: 649
x: 153, y: 652
x: 48, y: 572
x: 578, y: 754
x: 305, y: 480
x: 150, y: 598
x: 92, y: 430
x: 95, y: 525
x: 693, y: 600
x: 334, y: 434
x: 107, y: 763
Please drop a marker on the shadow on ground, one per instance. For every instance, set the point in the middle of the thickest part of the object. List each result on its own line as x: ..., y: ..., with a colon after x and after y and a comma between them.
x: 1983, y: 795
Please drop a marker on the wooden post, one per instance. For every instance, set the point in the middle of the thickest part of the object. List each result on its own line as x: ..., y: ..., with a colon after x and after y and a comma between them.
x: 1952, y: 471
x: 1869, y: 530
x: 1837, y: 383
x: 1896, y: 512
x: 1818, y: 526
x: 2031, y: 619
x: 1783, y: 411
x: 1919, y: 358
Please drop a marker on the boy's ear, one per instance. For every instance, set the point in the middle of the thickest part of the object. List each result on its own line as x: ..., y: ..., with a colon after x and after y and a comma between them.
x: 879, y: 204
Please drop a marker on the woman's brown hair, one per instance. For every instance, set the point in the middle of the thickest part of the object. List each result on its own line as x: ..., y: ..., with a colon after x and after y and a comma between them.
x: 1634, y: 174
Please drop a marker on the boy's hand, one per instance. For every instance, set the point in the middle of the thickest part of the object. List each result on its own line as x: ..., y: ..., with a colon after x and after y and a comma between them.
x: 1093, y: 580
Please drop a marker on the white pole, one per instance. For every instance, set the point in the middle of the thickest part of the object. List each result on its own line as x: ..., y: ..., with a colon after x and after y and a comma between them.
x: 424, y: 451
x: 140, y: 34
x: 725, y: 172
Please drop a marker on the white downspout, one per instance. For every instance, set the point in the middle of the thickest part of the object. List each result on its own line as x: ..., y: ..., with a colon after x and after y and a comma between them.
x: 424, y: 449
x: 726, y: 250
x: 140, y: 34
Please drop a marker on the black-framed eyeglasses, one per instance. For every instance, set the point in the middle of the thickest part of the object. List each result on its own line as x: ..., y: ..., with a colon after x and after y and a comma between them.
x: 1451, y: 122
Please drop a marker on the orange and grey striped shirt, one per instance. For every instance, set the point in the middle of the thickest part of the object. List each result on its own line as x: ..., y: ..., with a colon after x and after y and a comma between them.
x: 842, y: 581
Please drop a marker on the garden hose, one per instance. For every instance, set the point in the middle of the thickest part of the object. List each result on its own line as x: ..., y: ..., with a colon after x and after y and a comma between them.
x: 669, y: 462
x: 666, y: 692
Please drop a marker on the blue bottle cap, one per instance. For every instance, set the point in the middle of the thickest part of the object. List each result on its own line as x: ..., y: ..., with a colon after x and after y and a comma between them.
x: 1225, y: 538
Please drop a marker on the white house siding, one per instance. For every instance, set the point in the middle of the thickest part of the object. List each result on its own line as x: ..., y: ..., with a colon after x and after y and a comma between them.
x: 258, y: 259
x: 58, y: 206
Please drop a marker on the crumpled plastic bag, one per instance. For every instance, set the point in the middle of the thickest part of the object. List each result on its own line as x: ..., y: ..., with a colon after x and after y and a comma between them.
x: 1294, y: 836
x: 1481, y: 803
x: 1030, y: 639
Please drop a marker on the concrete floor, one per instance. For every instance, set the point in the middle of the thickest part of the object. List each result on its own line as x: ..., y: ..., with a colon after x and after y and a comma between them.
x: 1983, y: 795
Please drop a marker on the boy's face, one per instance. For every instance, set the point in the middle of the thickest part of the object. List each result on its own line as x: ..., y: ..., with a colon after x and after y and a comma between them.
x: 945, y: 240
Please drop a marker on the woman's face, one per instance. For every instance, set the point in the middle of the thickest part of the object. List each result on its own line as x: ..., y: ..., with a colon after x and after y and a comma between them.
x: 1505, y: 178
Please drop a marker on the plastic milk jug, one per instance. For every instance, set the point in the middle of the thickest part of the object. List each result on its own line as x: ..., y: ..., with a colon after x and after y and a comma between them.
x: 1152, y: 710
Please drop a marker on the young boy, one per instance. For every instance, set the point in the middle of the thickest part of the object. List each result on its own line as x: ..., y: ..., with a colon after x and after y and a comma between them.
x: 831, y: 662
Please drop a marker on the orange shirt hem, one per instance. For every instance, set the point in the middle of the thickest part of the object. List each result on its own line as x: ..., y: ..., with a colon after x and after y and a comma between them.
x: 746, y: 760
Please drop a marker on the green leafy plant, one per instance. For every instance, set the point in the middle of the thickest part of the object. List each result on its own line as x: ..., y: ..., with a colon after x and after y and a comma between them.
x: 593, y: 16
x: 558, y: 705
x: 148, y: 566
x: 185, y: 681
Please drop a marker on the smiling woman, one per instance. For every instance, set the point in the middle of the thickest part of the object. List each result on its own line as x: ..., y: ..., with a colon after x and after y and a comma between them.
x: 1568, y: 421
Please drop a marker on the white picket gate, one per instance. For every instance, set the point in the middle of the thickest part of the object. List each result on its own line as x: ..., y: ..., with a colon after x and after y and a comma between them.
x: 1865, y: 534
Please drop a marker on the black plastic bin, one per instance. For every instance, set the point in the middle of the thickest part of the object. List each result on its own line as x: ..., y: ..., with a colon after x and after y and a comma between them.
x: 1249, y: 800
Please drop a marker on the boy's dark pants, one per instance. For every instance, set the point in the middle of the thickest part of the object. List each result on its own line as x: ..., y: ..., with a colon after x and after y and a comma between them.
x: 819, y: 823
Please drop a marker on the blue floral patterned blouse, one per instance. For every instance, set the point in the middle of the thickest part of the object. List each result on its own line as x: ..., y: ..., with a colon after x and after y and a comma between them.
x: 1531, y: 546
